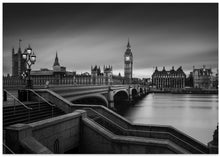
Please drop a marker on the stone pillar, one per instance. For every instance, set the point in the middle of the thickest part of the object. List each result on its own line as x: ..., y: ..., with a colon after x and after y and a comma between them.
x: 213, y: 145
x: 110, y: 98
x: 139, y: 91
x: 130, y: 93
x: 14, y: 134
x: 144, y: 91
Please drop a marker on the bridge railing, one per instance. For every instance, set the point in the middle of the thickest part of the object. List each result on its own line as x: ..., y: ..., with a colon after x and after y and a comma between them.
x: 15, y: 102
x: 39, y: 97
x: 77, y: 80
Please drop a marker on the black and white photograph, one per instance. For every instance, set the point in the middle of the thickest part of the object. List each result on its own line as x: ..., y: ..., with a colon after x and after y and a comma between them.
x: 110, y: 78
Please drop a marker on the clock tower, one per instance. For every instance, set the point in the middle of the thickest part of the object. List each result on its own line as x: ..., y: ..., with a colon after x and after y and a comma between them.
x: 128, y: 64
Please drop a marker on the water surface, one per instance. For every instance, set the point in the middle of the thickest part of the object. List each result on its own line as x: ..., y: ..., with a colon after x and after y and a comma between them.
x: 193, y: 114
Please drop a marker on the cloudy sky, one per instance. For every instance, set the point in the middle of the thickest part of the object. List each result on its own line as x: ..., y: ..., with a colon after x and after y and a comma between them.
x: 96, y: 34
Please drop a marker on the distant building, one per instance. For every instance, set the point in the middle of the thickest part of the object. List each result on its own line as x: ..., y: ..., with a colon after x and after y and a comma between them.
x: 118, y: 79
x: 53, y: 76
x: 18, y: 63
x: 128, y: 64
x: 108, y: 74
x: 169, y: 79
x: 215, y: 81
x: 57, y: 67
x: 189, y: 80
x: 101, y: 78
x: 146, y: 81
x: 202, y: 77
x: 58, y: 71
x: 96, y: 71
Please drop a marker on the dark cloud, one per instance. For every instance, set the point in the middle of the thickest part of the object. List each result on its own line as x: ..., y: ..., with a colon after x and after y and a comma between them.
x: 88, y: 34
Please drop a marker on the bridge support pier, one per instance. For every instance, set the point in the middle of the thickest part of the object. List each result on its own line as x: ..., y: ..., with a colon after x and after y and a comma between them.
x: 139, y: 91
x: 111, y: 98
x: 130, y: 94
x: 145, y: 91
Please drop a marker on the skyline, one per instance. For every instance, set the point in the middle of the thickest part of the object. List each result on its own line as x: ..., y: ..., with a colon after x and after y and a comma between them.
x: 85, y: 35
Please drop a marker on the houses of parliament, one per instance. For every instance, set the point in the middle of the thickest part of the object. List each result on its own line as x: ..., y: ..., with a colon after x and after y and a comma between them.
x: 59, y: 74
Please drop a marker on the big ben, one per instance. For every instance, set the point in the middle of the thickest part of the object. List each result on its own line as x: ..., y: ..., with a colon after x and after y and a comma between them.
x: 128, y: 64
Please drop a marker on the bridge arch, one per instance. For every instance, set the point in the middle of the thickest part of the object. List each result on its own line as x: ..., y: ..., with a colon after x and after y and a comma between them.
x: 121, y: 100
x: 93, y: 99
x: 121, y: 95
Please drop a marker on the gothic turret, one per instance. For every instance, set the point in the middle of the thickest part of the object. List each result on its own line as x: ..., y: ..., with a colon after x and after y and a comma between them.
x: 18, y: 63
x: 19, y: 49
x: 56, y: 62
x: 128, y: 45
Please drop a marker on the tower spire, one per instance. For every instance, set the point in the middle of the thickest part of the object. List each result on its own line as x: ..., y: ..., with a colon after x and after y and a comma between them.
x: 128, y: 45
x: 56, y: 62
x: 20, y: 43
x: 19, y: 49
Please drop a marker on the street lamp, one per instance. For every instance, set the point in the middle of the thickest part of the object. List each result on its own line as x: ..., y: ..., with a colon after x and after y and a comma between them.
x: 30, y: 59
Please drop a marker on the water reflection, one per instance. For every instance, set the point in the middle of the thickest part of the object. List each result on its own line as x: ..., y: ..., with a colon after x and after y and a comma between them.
x: 195, y: 115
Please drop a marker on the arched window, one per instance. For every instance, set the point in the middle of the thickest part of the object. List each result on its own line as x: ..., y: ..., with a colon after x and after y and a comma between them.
x: 56, y: 146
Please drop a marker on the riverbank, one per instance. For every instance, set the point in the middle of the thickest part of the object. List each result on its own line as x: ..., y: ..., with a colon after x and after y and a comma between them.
x: 186, y: 91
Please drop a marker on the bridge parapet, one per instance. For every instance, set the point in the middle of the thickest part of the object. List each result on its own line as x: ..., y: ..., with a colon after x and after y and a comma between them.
x: 111, y: 93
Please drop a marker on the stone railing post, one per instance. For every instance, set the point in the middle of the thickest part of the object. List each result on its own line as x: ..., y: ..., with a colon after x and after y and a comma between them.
x: 130, y: 93
x: 138, y: 91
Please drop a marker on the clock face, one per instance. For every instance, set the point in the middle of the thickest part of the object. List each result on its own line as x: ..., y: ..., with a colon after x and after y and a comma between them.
x: 127, y: 58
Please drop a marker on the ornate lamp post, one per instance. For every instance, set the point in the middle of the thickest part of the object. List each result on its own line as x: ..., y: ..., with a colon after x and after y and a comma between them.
x: 30, y: 59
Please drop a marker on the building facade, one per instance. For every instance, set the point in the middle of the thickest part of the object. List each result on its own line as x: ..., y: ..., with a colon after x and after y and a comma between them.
x: 108, y: 73
x: 128, y: 64
x: 215, y: 81
x: 173, y: 79
x: 202, y: 78
x: 101, y: 78
x: 18, y: 63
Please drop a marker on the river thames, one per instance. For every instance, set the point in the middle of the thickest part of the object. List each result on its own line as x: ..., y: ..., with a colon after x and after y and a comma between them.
x: 194, y: 114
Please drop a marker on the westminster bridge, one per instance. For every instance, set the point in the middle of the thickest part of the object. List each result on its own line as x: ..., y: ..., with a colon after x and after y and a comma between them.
x: 81, y: 119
